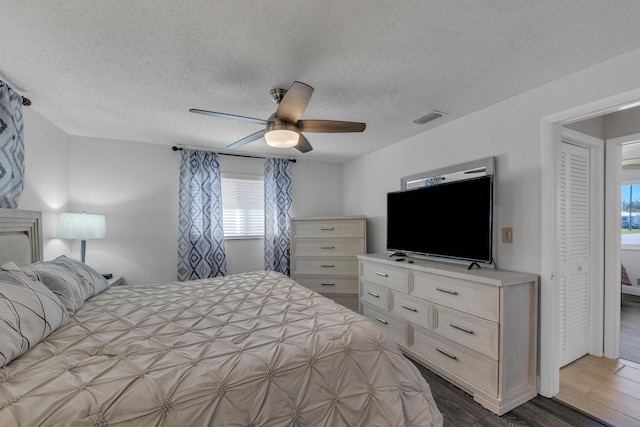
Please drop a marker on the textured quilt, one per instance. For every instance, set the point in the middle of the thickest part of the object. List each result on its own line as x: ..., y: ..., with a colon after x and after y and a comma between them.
x: 253, y: 349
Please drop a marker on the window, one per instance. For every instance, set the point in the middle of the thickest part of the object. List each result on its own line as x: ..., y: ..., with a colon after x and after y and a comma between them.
x: 243, y: 206
x: 630, y: 214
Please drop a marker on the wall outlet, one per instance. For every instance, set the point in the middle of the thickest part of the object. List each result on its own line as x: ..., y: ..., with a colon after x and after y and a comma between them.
x: 507, y: 235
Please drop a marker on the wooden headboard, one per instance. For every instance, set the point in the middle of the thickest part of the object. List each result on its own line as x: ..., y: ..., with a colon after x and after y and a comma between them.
x: 20, y: 236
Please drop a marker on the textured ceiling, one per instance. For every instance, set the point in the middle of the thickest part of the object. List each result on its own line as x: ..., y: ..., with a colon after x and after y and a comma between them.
x: 131, y: 70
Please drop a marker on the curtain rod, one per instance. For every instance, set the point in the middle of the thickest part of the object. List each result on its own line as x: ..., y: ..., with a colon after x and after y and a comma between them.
x: 176, y: 148
x: 11, y: 85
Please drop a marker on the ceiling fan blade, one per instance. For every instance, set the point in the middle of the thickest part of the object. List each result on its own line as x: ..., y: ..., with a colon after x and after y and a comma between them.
x: 247, y: 139
x: 229, y: 116
x: 294, y: 102
x: 330, y: 126
x: 303, y: 144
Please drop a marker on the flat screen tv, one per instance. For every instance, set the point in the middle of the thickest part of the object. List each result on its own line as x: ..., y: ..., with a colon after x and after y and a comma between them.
x: 450, y: 220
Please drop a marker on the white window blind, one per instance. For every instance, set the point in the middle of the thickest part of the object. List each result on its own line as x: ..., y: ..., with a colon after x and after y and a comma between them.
x: 243, y: 206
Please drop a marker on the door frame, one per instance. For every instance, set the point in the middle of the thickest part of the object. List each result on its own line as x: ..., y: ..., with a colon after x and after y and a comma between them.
x: 613, y: 243
x: 551, y: 138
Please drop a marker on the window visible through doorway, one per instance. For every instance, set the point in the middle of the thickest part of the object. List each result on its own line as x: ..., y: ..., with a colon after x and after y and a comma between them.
x: 243, y: 206
x: 630, y: 215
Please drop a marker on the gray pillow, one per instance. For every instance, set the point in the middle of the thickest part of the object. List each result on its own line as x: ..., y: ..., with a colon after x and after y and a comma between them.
x: 93, y: 281
x: 62, y: 281
x: 29, y: 312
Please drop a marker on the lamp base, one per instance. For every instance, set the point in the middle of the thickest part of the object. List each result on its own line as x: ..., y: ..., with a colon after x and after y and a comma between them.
x: 83, y: 250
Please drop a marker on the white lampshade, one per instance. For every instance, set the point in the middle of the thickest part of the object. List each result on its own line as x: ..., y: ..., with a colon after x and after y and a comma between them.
x: 81, y: 226
x: 281, y: 138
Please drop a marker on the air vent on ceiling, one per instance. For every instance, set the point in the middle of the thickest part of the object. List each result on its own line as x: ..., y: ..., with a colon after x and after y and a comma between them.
x: 429, y: 117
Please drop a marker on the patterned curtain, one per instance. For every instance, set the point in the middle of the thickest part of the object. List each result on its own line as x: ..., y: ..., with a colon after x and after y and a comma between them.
x: 200, y: 234
x: 11, y: 147
x: 277, y: 212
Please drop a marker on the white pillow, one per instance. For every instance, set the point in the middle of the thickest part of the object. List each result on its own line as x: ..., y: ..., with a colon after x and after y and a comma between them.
x: 29, y: 312
x: 71, y: 289
x: 93, y: 281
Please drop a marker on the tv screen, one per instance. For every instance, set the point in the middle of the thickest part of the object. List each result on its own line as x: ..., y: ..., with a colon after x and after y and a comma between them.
x: 452, y: 220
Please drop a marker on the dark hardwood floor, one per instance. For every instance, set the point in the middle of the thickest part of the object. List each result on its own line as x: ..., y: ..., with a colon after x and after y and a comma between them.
x: 630, y: 328
x: 458, y: 409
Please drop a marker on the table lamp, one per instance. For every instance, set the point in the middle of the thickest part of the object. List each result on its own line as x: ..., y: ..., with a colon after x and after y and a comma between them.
x: 83, y: 227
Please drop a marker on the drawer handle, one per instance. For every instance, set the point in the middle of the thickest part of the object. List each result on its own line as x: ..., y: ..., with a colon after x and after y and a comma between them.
x: 327, y: 284
x: 373, y: 294
x: 460, y: 328
x: 382, y: 274
x: 327, y: 265
x: 327, y: 228
x: 382, y: 321
x: 327, y: 247
x: 415, y: 310
x: 447, y: 291
x: 449, y: 355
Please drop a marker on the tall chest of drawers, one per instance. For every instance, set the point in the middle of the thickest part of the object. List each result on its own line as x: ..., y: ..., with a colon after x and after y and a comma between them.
x: 324, y: 254
x: 476, y: 328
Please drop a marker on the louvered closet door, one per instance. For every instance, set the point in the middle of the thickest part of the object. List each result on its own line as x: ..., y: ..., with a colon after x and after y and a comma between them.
x: 573, y: 251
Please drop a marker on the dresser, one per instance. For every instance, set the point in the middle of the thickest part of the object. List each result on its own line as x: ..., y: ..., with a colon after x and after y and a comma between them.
x: 324, y: 254
x: 476, y: 328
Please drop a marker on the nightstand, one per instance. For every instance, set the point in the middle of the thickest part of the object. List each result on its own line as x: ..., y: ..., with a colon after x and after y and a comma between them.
x: 115, y: 281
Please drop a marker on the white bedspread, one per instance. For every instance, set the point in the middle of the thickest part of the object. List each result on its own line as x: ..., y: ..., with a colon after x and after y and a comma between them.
x: 253, y: 349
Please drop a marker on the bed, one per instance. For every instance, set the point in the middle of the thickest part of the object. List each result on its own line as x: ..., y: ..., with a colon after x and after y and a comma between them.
x: 253, y: 349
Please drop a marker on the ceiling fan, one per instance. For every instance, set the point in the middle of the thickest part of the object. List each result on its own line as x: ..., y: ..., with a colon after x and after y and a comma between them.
x: 284, y: 128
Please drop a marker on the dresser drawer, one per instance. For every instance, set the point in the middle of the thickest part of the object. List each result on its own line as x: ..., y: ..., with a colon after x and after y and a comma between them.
x: 472, y: 332
x: 396, y: 278
x: 328, y: 247
x: 330, y: 228
x: 473, y: 298
x: 394, y: 326
x: 328, y: 284
x: 347, y: 266
x: 412, y: 309
x: 375, y: 295
x: 467, y: 365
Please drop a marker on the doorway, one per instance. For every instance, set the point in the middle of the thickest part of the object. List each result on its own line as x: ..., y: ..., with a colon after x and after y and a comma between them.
x: 608, y: 387
x: 604, y: 312
x: 629, y: 343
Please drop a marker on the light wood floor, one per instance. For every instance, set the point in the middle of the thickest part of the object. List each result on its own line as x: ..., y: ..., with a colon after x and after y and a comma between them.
x: 630, y: 327
x: 608, y: 389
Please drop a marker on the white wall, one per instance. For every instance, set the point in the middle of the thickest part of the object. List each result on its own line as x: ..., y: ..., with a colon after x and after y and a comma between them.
x: 136, y: 186
x: 622, y: 123
x: 488, y: 133
x: 512, y: 132
x: 46, y: 186
x: 317, y: 189
x: 593, y: 127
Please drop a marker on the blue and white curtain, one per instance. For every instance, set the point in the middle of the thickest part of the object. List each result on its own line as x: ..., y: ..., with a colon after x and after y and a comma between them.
x: 277, y: 212
x: 200, y: 233
x: 11, y: 147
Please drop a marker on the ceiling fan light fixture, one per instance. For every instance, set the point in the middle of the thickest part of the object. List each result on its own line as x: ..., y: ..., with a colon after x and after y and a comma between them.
x: 284, y: 129
x: 281, y: 138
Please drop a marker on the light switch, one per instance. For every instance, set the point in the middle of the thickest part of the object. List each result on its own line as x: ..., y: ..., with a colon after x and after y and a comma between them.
x: 507, y: 235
